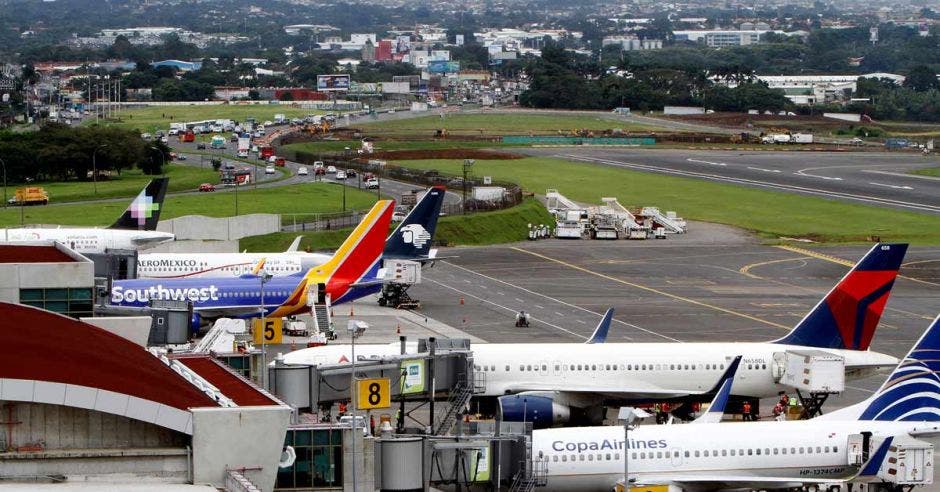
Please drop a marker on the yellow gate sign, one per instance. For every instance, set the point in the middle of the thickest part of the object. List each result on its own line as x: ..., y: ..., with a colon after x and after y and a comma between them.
x: 273, y: 330
x: 373, y: 393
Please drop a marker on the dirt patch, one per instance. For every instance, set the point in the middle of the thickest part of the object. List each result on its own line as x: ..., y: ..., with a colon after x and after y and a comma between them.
x: 413, y: 155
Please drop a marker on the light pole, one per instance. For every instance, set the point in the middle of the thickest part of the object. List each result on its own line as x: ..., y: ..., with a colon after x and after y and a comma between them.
x: 355, y: 329
x: 346, y: 164
x: 94, y: 166
x: 265, y: 278
x: 628, y: 415
x: 4, y: 182
x: 162, y: 155
x: 467, y: 164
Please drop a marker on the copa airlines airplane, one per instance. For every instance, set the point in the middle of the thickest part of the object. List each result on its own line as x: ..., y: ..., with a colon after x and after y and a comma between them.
x: 411, y: 240
x: 352, y: 272
x: 135, y: 229
x: 554, y: 383
x: 764, y: 455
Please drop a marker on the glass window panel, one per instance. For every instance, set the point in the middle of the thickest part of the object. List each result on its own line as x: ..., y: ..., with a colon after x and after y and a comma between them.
x: 31, y: 295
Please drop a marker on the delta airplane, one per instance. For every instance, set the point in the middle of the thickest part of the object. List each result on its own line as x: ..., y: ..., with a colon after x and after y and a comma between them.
x: 135, y: 229
x: 853, y: 443
x: 555, y: 383
x: 352, y: 272
x: 411, y: 240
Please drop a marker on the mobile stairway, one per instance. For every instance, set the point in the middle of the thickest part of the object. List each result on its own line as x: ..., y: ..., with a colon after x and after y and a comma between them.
x: 669, y: 221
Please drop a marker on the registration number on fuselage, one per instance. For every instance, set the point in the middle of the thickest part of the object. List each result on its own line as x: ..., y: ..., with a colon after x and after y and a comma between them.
x: 822, y: 472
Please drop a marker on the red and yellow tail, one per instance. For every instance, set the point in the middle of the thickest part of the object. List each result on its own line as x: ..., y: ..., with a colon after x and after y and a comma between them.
x: 359, y: 255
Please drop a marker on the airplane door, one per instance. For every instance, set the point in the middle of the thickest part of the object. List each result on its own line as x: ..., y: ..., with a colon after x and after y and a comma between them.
x: 676, y: 457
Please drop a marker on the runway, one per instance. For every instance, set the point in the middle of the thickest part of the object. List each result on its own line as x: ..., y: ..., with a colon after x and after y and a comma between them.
x: 873, y: 178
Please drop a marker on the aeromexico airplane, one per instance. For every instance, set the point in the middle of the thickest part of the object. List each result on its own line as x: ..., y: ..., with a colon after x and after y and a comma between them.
x: 135, y: 229
x: 853, y: 443
x: 554, y: 383
x: 411, y: 240
x: 352, y: 272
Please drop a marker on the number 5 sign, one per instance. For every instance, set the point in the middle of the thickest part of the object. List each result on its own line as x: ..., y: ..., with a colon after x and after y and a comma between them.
x: 373, y: 393
x: 273, y: 330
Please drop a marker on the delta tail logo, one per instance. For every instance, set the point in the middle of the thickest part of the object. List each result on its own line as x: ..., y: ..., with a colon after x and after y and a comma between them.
x: 416, y: 235
x: 142, y: 208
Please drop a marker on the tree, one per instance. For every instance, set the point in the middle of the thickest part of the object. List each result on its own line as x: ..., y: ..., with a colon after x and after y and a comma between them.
x: 922, y: 78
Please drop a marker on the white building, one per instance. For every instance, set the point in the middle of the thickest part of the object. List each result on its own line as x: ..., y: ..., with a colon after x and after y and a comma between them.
x: 820, y: 89
x: 632, y: 43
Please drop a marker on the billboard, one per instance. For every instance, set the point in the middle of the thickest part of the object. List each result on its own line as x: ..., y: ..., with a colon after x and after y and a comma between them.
x: 443, y: 66
x: 413, y: 376
x: 338, y: 82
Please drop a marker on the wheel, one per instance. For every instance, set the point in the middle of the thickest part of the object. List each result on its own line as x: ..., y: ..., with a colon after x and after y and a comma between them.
x: 382, y: 301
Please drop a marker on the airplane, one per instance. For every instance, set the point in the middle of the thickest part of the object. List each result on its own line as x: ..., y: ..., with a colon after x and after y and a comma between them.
x: 557, y: 383
x: 855, y: 443
x: 135, y: 229
x: 411, y: 240
x: 352, y: 272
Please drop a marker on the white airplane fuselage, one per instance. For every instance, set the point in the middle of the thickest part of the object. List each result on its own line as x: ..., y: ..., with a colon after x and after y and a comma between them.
x: 591, y: 458
x: 88, y: 240
x: 611, y: 368
x: 224, y: 265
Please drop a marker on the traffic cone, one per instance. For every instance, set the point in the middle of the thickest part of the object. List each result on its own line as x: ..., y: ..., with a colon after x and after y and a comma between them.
x: 351, y: 314
x: 461, y: 301
x: 398, y: 329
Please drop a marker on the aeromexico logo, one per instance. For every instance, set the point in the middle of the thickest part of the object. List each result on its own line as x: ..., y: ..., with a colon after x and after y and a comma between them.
x: 608, y: 445
x: 416, y: 235
x: 142, y: 208
x: 120, y: 294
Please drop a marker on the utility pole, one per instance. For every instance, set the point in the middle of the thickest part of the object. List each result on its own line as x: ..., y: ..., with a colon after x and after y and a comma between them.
x: 467, y: 164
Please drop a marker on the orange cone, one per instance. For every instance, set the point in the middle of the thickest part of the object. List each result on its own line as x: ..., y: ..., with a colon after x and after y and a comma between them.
x: 461, y: 301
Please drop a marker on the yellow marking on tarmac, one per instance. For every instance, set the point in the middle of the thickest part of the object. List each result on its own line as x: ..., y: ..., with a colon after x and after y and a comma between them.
x: 847, y: 263
x: 747, y: 268
x: 650, y: 289
x: 918, y: 262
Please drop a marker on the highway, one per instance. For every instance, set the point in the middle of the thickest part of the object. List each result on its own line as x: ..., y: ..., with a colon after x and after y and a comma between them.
x: 872, y: 178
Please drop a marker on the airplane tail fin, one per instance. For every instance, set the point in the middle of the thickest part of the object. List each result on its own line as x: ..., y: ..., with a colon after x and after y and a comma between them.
x: 144, y: 212
x: 412, y: 239
x: 600, y: 333
x: 912, y: 391
x: 361, y: 252
x: 847, y: 317
x: 717, y: 408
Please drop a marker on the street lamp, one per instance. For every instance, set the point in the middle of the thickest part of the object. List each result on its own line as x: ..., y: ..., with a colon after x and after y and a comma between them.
x: 265, y: 277
x: 628, y: 415
x: 467, y: 164
x: 163, y: 155
x: 355, y: 329
x: 4, y: 183
x: 346, y: 164
x: 94, y: 166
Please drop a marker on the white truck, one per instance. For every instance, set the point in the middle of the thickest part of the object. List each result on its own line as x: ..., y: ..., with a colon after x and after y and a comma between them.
x: 244, y: 145
x: 280, y: 119
x: 801, y: 138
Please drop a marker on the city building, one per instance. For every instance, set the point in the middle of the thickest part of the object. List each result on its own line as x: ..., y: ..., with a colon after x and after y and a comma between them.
x: 820, y: 89
x: 632, y: 43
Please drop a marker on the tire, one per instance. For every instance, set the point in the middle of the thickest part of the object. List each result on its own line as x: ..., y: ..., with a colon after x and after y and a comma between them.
x: 382, y: 301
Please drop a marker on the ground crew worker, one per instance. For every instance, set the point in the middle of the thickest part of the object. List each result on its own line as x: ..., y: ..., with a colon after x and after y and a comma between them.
x: 746, y: 409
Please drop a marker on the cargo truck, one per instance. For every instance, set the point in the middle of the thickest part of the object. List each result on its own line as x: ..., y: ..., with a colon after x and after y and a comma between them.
x: 801, y: 138
x: 31, y: 195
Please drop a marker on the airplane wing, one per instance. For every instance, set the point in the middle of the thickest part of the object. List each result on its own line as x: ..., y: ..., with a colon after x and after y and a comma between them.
x: 293, y: 248
x: 717, y: 408
x: 600, y: 333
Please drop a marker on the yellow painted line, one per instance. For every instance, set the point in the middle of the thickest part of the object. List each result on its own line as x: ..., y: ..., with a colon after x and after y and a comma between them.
x: 847, y: 263
x: 747, y: 268
x: 650, y: 289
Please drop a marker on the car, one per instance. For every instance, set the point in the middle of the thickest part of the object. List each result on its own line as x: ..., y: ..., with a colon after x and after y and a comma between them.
x: 856, y: 141
x: 174, y: 132
x: 200, y: 146
x: 180, y: 157
x: 269, y: 123
x: 207, y: 187
x: 243, y: 153
x: 372, y: 184
x: 340, y: 175
x: 351, y: 173
x: 269, y: 170
x: 146, y: 136
x: 331, y: 169
x: 302, y: 171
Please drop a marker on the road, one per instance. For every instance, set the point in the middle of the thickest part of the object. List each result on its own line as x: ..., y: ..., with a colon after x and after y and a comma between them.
x: 872, y: 178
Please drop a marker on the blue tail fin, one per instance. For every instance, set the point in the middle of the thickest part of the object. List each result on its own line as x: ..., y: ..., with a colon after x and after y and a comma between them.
x: 875, y: 460
x: 912, y: 391
x: 717, y: 408
x: 600, y: 333
x: 847, y: 317
x: 412, y: 239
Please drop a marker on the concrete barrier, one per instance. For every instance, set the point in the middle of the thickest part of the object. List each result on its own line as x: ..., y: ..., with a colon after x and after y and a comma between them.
x: 226, y: 228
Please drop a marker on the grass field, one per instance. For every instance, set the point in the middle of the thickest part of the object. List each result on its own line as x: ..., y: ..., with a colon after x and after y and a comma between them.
x: 930, y: 171
x: 153, y: 118
x: 500, y: 124
x: 307, y: 198
x: 128, y: 184
x: 768, y: 213
x: 502, y: 226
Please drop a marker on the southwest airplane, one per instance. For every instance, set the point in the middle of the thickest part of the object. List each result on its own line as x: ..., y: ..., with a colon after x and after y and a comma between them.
x: 411, y: 240
x: 352, y: 272
x: 854, y: 443
x: 554, y: 383
x: 135, y: 229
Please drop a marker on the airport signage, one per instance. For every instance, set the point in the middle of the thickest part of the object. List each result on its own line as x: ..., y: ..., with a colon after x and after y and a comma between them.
x: 373, y: 393
x: 272, y: 332
x: 412, y: 380
x: 334, y: 83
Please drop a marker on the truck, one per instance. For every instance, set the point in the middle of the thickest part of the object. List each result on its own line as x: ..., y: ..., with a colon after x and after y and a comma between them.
x: 801, y: 138
x: 188, y: 136
x: 244, y: 144
x: 265, y: 152
x: 280, y: 119
x: 31, y: 195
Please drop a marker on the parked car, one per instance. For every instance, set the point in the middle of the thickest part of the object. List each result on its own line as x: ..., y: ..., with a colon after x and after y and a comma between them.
x: 351, y: 173
x: 269, y: 170
x: 207, y: 187
x: 372, y: 183
x: 302, y: 171
x: 331, y: 169
x: 341, y: 175
x: 200, y: 146
x: 180, y: 157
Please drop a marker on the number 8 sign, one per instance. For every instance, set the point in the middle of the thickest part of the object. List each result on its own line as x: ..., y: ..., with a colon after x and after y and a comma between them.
x: 373, y: 393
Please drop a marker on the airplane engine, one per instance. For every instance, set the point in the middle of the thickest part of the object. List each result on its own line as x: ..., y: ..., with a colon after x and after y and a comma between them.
x: 542, y: 411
